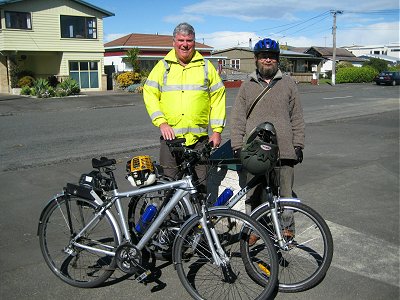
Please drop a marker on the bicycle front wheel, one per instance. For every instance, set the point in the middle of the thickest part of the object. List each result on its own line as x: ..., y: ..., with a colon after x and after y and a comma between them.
x: 79, y: 267
x: 205, y: 278
x: 309, y: 246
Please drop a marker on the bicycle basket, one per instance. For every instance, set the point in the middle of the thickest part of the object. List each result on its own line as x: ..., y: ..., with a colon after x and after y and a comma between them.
x: 140, y: 170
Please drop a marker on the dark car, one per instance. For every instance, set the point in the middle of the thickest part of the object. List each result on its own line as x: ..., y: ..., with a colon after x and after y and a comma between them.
x: 388, y: 77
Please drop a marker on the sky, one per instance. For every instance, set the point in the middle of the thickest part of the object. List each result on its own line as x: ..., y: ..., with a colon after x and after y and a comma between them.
x: 223, y: 24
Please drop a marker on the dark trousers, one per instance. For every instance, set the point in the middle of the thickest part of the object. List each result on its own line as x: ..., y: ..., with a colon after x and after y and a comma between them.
x: 284, y: 178
x: 170, y: 162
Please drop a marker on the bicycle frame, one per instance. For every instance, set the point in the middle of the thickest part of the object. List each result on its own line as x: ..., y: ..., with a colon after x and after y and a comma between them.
x: 272, y: 201
x: 182, y: 188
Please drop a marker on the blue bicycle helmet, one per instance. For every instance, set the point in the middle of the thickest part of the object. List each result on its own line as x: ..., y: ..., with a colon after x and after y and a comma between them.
x: 266, y: 45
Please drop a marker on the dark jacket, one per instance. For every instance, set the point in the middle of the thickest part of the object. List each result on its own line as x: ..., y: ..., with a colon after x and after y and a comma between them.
x: 280, y: 106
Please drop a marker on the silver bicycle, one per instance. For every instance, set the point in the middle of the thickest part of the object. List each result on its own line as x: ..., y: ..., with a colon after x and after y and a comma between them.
x: 304, y: 248
x: 84, y: 236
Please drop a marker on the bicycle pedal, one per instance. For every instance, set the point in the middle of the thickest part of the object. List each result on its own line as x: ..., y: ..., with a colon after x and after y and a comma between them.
x: 143, y: 276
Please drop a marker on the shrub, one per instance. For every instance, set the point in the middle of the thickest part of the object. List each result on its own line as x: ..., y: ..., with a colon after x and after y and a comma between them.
x: 49, y: 92
x: 132, y: 88
x: 41, y: 87
x: 355, y: 75
x: 135, y: 88
x: 26, y: 81
x: 60, y: 93
x: 344, y: 64
x: 378, y: 64
x: 53, y: 81
x: 69, y: 86
x: 25, y: 90
x: 128, y: 78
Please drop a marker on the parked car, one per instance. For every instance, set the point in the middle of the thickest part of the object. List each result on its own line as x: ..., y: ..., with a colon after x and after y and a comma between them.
x: 388, y: 77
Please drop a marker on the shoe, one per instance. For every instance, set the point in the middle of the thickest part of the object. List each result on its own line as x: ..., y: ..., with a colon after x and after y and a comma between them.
x: 288, y: 234
x: 253, y: 239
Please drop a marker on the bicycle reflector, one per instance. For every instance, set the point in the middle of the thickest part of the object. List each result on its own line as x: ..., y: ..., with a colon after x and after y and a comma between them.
x: 140, y: 171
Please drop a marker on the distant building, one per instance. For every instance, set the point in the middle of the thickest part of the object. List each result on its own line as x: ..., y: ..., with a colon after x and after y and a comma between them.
x: 326, y: 54
x: 389, y: 52
x: 152, y: 48
x: 239, y: 62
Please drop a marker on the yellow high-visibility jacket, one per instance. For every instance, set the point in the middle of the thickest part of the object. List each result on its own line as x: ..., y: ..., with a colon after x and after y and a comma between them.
x: 189, y: 98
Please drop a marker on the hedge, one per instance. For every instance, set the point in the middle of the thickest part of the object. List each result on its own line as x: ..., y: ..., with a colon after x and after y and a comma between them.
x: 355, y: 75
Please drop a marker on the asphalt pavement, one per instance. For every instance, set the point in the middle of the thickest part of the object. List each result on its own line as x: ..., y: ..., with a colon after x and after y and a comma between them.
x: 350, y: 175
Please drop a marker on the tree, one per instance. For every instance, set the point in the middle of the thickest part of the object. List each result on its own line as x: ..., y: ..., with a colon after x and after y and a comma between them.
x: 284, y: 64
x: 132, y: 58
x: 376, y: 63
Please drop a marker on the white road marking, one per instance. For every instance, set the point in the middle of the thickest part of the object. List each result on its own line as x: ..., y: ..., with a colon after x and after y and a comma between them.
x: 343, y: 97
x: 365, y: 255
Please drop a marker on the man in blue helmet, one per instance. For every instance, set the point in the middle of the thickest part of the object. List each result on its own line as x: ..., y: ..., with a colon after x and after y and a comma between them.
x: 279, y: 105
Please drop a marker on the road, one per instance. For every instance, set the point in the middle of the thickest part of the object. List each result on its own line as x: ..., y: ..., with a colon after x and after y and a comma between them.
x: 350, y: 175
x: 52, y: 130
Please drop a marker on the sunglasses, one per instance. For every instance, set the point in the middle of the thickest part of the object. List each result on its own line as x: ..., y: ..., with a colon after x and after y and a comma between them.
x: 266, y: 55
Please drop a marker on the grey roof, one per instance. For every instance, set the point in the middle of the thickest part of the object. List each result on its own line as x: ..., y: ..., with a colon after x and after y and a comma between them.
x: 103, y: 11
x: 381, y: 56
x: 283, y: 52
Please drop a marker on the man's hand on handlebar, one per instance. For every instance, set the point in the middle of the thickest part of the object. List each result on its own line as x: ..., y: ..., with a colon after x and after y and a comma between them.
x: 167, y: 132
x: 215, y: 139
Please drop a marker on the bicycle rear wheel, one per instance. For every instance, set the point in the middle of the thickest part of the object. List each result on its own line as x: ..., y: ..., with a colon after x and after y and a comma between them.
x: 309, y: 252
x: 61, y: 220
x: 204, y: 279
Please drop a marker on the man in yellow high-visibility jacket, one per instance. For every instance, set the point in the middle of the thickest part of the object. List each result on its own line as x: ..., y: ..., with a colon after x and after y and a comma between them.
x: 184, y: 96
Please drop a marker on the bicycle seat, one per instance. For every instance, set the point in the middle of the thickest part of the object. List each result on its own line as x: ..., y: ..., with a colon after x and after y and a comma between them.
x: 103, y: 162
x: 176, y: 142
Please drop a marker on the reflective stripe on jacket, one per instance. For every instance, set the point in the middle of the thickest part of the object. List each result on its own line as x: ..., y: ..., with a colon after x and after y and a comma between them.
x: 189, y: 98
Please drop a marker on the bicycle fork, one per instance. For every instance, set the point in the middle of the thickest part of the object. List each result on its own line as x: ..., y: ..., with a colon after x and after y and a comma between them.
x: 275, y: 220
x: 218, y: 254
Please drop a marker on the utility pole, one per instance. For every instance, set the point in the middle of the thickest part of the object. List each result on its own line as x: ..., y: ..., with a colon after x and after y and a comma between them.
x: 334, y: 12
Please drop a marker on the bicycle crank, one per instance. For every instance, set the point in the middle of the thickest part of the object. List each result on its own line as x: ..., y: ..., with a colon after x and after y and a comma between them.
x: 128, y: 258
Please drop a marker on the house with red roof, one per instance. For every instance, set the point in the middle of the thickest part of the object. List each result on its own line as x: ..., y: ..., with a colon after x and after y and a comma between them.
x: 152, y: 48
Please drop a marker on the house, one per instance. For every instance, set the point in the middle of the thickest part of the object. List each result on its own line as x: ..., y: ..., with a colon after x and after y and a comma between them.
x: 388, y: 52
x: 326, y: 53
x: 62, y: 38
x: 152, y: 48
x: 239, y: 62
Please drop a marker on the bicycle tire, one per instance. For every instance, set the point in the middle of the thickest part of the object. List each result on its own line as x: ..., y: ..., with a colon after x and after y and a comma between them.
x: 205, y: 280
x: 80, y: 267
x: 162, y: 242
x: 308, y: 257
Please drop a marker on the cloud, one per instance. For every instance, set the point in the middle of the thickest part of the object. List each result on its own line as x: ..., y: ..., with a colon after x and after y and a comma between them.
x: 227, y: 39
x: 288, y: 10
x: 374, y: 34
x: 113, y: 36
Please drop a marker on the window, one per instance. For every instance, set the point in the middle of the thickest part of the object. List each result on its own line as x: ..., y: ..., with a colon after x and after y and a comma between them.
x: 78, y: 27
x: 85, y: 73
x: 235, y: 63
x: 18, y: 20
